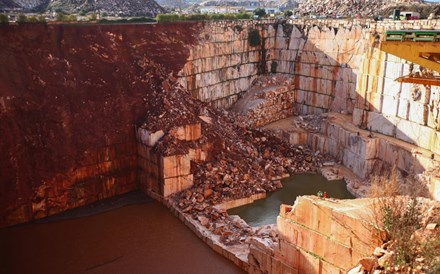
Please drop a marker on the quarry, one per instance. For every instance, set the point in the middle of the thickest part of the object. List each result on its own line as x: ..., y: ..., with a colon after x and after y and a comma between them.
x: 207, y: 116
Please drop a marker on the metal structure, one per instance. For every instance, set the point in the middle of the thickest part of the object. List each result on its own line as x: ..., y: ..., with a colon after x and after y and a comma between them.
x: 421, y: 47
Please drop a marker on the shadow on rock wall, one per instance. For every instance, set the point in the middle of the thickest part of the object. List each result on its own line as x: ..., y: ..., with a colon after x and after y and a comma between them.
x: 70, y: 96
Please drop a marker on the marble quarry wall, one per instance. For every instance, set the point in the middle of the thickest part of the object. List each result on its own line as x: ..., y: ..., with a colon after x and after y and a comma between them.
x: 317, y: 236
x: 70, y: 98
x: 336, y: 66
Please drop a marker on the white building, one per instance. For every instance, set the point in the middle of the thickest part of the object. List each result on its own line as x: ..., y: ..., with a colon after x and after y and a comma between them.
x: 220, y: 9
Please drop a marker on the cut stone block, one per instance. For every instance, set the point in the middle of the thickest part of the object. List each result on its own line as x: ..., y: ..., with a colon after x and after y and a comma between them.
x: 149, y: 138
x: 177, y: 184
x: 175, y: 165
x: 381, y: 123
x: 408, y: 131
x: 417, y: 112
x: 389, y: 105
x: 358, y: 116
x: 337, y: 233
x: 188, y: 132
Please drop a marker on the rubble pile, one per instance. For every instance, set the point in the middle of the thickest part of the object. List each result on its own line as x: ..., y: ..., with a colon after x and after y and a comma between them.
x: 243, y: 161
x: 269, y: 99
x: 350, y: 8
x: 311, y: 123
x: 246, y: 162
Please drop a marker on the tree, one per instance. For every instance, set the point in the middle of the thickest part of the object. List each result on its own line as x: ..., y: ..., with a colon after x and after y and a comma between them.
x: 4, y: 20
x: 288, y: 13
x: 260, y: 12
x: 59, y: 16
x: 41, y: 19
x: 21, y: 18
x: 92, y: 16
x: 32, y: 19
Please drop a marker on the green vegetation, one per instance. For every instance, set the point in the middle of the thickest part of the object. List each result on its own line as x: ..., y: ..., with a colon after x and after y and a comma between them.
x: 92, y: 16
x: 41, y: 19
x: 21, y: 19
x: 254, y: 37
x: 201, y: 17
x: 273, y: 67
x: 62, y: 17
x: 260, y: 12
x: 4, y: 20
x: 238, y: 28
x: 400, y: 218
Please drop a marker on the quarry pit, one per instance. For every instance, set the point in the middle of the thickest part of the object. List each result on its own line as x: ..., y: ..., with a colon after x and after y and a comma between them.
x: 203, y: 118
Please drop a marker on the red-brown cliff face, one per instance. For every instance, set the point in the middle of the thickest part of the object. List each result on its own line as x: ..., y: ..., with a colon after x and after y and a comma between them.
x: 70, y: 97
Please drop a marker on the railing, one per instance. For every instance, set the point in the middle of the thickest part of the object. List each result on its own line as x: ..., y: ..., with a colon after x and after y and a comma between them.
x: 413, y: 35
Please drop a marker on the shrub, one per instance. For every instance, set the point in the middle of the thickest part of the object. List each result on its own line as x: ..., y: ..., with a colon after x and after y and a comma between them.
x: 273, y: 67
x: 21, y: 19
x: 62, y: 17
x: 254, y: 38
x: 92, y: 16
x: 260, y: 12
x: 243, y: 15
x: 167, y: 17
x: 32, y: 19
x: 41, y: 19
x: 288, y: 13
x: 238, y: 28
x: 4, y: 20
x: 400, y: 217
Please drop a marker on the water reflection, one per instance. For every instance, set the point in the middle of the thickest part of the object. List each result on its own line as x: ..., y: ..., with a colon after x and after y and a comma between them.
x: 265, y: 211
x: 138, y: 238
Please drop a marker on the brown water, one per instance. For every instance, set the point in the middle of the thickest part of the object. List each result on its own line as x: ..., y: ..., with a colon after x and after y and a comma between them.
x: 265, y: 211
x: 137, y: 238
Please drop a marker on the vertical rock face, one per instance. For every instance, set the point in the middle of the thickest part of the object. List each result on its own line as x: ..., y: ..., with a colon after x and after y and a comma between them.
x: 223, y: 64
x: 336, y: 66
x: 70, y: 97
x: 319, y: 236
x: 408, y: 112
x: 322, y: 60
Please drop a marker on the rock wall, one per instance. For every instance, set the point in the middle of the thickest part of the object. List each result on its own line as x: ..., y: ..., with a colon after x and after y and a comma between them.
x: 408, y: 112
x: 323, y: 62
x: 70, y: 97
x: 364, y: 153
x: 317, y: 236
x: 223, y: 64
x: 336, y: 66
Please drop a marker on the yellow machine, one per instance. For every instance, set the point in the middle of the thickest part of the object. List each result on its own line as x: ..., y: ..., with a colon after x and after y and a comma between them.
x: 421, y: 47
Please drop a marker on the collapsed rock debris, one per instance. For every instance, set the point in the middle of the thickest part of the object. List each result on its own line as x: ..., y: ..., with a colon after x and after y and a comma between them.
x: 242, y: 161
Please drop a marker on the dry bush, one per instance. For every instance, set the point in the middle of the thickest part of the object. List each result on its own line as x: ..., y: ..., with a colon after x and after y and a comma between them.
x: 397, y: 211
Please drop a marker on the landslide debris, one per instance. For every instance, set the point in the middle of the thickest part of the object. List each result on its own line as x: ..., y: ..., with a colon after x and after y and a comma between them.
x: 242, y: 161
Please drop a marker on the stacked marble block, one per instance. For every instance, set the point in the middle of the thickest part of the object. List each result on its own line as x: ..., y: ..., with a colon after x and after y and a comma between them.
x: 404, y: 111
x: 364, y: 155
x: 319, y: 236
x: 272, y: 104
x: 167, y: 174
x: 222, y: 65
x: 323, y: 61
